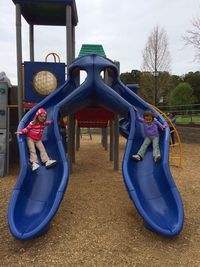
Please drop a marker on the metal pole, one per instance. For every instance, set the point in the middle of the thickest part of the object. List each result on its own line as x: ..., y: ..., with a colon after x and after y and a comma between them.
x: 69, y: 56
x: 69, y: 35
x: 73, y: 42
x: 111, y: 139
x: 77, y: 138
x: 19, y: 60
x: 69, y: 143
x: 73, y: 138
x: 106, y: 138
x: 116, y: 143
x: 103, y: 137
x: 31, y: 42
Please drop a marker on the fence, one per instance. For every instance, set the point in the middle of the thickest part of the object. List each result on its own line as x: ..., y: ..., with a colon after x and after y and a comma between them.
x: 184, y: 113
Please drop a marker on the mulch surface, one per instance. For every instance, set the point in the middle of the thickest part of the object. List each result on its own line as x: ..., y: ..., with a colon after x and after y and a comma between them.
x: 98, y: 225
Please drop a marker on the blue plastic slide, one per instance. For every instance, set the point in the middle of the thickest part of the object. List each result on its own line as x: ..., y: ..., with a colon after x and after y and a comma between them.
x: 37, y: 195
x: 150, y: 185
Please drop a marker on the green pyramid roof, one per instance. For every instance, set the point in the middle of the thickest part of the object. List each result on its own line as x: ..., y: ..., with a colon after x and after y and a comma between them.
x: 88, y: 49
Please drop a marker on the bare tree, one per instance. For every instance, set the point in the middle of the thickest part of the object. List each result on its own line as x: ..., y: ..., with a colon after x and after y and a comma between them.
x: 156, y: 59
x: 192, y: 37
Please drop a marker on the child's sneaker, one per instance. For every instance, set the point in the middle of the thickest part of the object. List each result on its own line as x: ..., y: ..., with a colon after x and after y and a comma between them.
x: 50, y: 163
x: 158, y: 158
x: 136, y: 157
x: 35, y: 166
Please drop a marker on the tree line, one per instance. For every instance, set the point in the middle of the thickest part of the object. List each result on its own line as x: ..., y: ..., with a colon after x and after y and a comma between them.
x: 157, y: 85
x: 171, y: 89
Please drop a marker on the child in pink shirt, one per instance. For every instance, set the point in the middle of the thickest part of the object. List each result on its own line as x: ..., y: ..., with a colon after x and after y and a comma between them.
x: 34, y: 132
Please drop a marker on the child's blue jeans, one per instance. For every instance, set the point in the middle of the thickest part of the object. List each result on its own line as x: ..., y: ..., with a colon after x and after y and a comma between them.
x: 146, y: 143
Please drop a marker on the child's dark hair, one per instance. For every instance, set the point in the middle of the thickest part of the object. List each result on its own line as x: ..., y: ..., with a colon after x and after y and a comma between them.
x: 149, y: 113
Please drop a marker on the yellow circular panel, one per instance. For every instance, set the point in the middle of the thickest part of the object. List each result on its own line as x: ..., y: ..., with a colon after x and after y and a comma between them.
x: 44, y: 82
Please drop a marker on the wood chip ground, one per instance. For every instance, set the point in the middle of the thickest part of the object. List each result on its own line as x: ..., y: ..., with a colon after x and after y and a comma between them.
x: 98, y: 225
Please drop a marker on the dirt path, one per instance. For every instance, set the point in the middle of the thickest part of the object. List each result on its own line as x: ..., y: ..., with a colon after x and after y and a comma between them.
x: 97, y: 224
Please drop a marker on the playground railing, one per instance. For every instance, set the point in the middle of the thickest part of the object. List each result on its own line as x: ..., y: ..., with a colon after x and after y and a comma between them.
x: 185, y: 114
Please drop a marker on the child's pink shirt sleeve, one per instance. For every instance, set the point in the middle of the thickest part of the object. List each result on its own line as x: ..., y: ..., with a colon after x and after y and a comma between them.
x: 26, y: 129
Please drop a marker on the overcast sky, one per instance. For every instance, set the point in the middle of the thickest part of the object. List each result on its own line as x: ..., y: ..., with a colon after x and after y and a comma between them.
x: 122, y: 27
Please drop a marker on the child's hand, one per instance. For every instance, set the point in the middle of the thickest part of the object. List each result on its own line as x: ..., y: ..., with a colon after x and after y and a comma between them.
x: 164, y: 126
x: 49, y: 122
x: 19, y: 132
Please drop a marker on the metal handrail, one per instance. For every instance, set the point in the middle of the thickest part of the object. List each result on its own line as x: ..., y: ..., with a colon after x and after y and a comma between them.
x: 55, y: 56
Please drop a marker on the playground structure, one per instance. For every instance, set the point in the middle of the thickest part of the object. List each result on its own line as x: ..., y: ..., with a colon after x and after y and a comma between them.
x: 37, y: 196
x: 175, y: 153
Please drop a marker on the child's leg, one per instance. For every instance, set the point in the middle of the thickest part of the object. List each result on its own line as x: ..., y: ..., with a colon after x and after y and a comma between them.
x: 32, y: 150
x: 144, y: 146
x: 156, y: 148
x: 43, y: 153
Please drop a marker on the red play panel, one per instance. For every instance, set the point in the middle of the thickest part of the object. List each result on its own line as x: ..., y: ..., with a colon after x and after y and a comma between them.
x: 94, y: 117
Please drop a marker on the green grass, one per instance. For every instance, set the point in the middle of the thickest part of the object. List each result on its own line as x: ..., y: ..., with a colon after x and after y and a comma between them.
x: 195, y: 119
